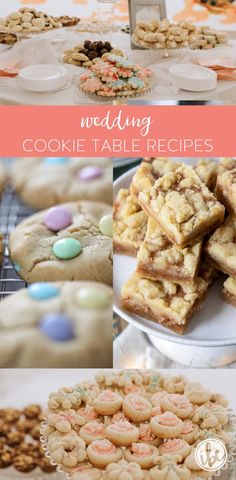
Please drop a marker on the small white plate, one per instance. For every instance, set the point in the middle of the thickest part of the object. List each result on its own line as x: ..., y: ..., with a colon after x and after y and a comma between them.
x: 43, y: 78
x: 213, y: 325
x: 193, y: 78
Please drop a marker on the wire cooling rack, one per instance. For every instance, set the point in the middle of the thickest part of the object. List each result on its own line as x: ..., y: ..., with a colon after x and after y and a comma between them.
x: 12, y: 212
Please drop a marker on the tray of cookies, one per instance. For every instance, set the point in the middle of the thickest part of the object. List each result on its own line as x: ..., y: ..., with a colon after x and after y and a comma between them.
x: 116, y: 77
x: 136, y: 424
x: 162, y: 278
x: 164, y: 35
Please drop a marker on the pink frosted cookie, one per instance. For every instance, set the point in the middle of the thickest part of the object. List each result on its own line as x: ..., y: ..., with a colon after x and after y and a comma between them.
x: 146, y: 435
x: 92, y: 431
x: 142, y: 453
x: 102, y: 452
x: 134, y: 389
x: 137, y: 408
x: 119, y: 416
x: 88, y: 414
x: 108, y: 403
x: 156, y: 398
x: 190, y: 432
x: 122, y: 433
x: 87, y: 472
x: 178, y: 404
x: 167, y: 425
x: 176, y: 446
x: 92, y: 85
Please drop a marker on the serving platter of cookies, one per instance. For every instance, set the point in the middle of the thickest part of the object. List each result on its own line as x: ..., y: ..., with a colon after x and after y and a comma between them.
x: 134, y: 424
x: 151, y: 288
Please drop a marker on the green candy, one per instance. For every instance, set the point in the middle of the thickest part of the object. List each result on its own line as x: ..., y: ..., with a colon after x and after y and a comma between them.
x: 67, y: 248
x: 106, y: 225
x: 90, y: 297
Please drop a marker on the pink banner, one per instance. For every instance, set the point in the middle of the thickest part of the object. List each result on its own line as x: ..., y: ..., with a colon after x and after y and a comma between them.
x: 184, y: 131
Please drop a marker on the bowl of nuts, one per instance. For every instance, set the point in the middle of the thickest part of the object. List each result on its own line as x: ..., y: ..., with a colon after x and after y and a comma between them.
x: 21, y: 454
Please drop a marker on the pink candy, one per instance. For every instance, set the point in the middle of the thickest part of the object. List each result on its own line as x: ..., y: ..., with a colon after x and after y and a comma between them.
x: 90, y: 173
x: 57, y: 218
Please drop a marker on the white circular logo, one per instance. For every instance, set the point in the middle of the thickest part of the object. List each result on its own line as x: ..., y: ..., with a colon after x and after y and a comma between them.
x: 211, y: 455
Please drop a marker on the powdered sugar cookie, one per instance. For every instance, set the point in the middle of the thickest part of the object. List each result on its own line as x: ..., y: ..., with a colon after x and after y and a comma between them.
x: 178, y: 404
x: 122, y: 433
x: 122, y: 471
x: 175, y: 384
x: 137, y: 408
x: 167, y: 425
x: 142, y: 453
x: 175, y: 447
x: 67, y: 450
x: 65, y: 421
x: 102, y: 452
x: 168, y: 469
x: 108, y: 403
x: 196, y: 393
x: 92, y: 431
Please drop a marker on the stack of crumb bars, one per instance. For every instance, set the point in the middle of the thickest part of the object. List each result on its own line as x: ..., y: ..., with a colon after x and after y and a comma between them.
x: 173, y: 218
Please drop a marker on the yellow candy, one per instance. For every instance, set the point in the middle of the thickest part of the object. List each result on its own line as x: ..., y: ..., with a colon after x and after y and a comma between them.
x: 106, y: 225
x: 89, y: 297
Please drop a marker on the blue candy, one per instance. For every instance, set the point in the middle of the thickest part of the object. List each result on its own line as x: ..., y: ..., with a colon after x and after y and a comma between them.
x: 56, y: 160
x: 43, y: 291
x: 17, y: 267
x: 57, y: 327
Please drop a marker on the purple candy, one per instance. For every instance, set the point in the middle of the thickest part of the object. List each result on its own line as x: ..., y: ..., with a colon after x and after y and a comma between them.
x: 90, y: 173
x: 57, y: 218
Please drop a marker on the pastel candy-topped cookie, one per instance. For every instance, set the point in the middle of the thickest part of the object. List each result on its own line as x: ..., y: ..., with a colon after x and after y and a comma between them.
x: 46, y: 326
x: 46, y: 182
x: 68, y: 242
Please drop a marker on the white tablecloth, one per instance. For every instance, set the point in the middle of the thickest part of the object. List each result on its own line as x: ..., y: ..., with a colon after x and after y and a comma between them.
x: 21, y: 53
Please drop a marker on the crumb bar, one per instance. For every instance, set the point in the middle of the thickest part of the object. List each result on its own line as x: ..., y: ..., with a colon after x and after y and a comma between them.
x: 226, y: 190
x: 159, y: 259
x: 229, y: 291
x: 207, y: 171
x: 130, y: 223
x: 168, y: 303
x: 149, y: 171
x: 226, y: 164
x: 221, y: 247
x: 182, y: 205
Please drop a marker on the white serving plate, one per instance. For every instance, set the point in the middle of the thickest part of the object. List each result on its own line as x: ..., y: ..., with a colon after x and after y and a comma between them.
x: 193, y: 78
x: 43, y: 78
x: 214, y: 326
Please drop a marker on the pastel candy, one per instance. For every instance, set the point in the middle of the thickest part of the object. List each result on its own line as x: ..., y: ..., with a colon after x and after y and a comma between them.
x: 90, y: 173
x: 67, y: 248
x: 17, y: 267
x: 106, y: 225
x: 90, y: 297
x: 57, y: 326
x: 56, y: 160
x: 43, y: 291
x: 57, y: 218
